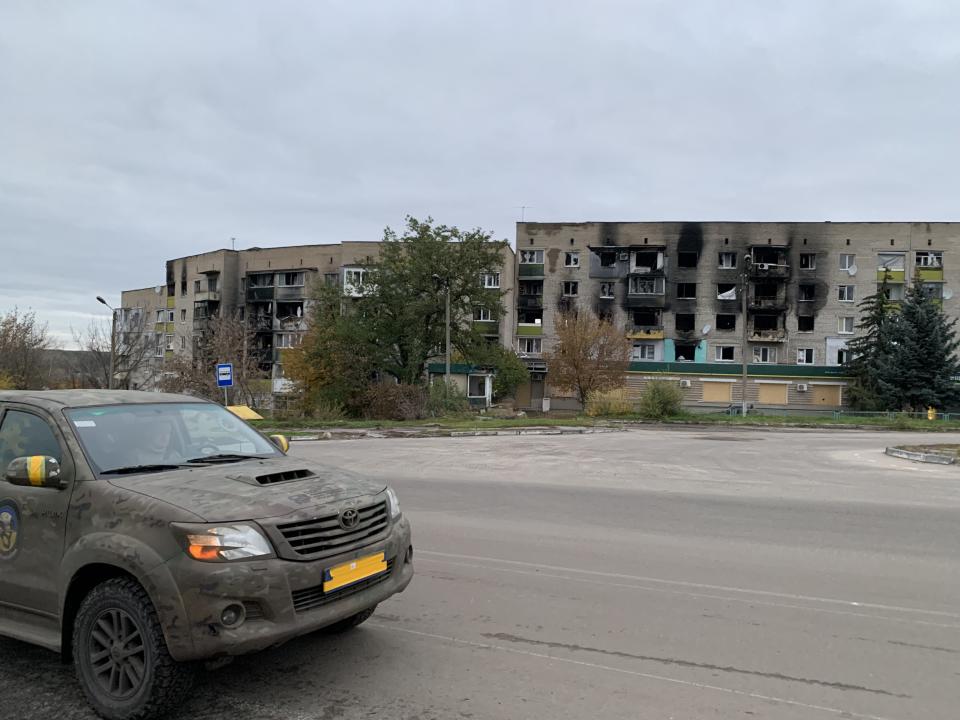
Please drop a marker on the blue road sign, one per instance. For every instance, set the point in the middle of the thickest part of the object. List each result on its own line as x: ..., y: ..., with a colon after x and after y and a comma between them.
x: 225, y: 375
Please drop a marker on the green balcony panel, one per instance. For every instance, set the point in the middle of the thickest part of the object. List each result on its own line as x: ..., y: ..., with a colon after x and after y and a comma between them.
x: 529, y: 330
x: 930, y: 274
x: 893, y: 276
x: 487, y: 327
x: 531, y: 270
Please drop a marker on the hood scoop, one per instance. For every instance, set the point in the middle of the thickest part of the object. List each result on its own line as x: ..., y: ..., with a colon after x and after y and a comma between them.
x: 284, y: 476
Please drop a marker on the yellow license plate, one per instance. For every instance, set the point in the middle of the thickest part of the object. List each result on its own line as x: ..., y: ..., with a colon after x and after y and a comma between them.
x: 353, y: 571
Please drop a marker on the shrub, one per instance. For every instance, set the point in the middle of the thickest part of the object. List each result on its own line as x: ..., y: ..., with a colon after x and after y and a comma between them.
x: 394, y: 401
x: 446, y: 399
x: 610, y: 402
x: 661, y: 399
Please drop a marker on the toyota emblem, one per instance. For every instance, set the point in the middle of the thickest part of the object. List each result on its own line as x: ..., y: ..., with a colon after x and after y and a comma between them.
x: 349, y: 518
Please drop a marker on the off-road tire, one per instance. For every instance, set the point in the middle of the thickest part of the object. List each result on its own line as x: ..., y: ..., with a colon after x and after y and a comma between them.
x: 164, y: 682
x: 350, y: 622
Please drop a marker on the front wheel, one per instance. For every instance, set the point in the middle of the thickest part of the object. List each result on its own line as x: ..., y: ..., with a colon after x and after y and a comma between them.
x: 350, y: 622
x: 120, y: 654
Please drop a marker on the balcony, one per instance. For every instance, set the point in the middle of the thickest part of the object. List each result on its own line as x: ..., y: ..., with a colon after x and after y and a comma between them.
x: 530, y: 270
x: 264, y: 323
x: 767, y: 302
x: 290, y: 324
x: 893, y: 276
x: 929, y: 274
x: 768, y: 336
x: 529, y: 330
x: 486, y: 327
x: 260, y: 294
x: 291, y: 292
x: 529, y: 301
x: 644, y: 332
x: 767, y: 270
x: 208, y: 296
x: 644, y: 301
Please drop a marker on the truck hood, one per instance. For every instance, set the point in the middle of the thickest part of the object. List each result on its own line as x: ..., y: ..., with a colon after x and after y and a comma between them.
x: 252, y: 489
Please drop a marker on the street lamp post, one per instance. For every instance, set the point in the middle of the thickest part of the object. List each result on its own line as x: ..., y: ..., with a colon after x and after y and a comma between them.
x: 446, y: 284
x: 744, y: 287
x: 113, y: 341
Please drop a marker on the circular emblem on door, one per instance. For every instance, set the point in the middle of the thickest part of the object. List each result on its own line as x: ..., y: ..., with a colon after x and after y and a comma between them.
x: 349, y: 518
x: 9, y: 528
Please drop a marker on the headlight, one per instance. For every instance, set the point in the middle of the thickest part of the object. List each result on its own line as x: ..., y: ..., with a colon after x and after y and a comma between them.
x: 394, y: 504
x: 218, y: 543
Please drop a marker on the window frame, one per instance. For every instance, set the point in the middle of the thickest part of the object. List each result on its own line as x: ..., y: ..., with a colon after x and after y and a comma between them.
x: 845, y: 256
x: 807, y: 352
x: 522, y: 340
x: 721, y: 266
x: 569, y: 285
x: 926, y: 255
x: 852, y: 292
x: 613, y: 290
x: 658, y: 285
x: 759, y: 350
x: 643, y: 347
x: 490, y: 280
x: 812, y: 261
x: 841, y: 324
x: 686, y: 285
x: 571, y: 255
x: 537, y: 254
x: 478, y: 314
x: 718, y: 351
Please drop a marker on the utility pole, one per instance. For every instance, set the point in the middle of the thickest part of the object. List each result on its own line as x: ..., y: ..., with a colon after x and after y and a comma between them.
x: 113, y: 341
x: 744, y: 287
x: 446, y: 284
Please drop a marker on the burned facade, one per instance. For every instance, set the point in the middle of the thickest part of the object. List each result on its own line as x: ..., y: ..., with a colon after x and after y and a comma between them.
x: 676, y: 290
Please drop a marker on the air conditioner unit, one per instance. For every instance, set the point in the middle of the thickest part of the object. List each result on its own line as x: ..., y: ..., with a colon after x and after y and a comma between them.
x: 623, y: 256
x: 684, y: 383
x: 802, y: 387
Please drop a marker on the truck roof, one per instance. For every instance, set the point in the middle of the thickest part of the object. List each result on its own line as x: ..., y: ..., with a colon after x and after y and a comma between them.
x: 53, y: 399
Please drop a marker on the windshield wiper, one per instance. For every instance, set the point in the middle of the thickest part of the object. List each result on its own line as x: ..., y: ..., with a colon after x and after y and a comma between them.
x: 225, y: 458
x: 130, y: 469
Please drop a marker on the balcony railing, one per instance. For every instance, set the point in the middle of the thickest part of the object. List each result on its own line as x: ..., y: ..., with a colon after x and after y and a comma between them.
x: 529, y: 301
x: 208, y: 296
x: 530, y: 270
x: 529, y: 329
x: 291, y: 292
x: 259, y: 293
x: 770, y: 270
x: 644, y: 332
x: 767, y: 302
x: 768, y: 336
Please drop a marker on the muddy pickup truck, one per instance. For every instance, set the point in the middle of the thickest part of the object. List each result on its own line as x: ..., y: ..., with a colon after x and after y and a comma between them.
x: 142, y: 533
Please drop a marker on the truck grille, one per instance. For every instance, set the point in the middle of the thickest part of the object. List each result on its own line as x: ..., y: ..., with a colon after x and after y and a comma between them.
x: 314, y: 597
x: 324, y: 536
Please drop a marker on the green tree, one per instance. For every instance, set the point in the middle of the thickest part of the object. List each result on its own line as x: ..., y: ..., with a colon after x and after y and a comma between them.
x: 23, y: 343
x: 921, y: 368
x: 869, y: 352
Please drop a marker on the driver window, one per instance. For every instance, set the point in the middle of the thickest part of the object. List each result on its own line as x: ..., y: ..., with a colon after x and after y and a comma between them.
x: 23, y: 434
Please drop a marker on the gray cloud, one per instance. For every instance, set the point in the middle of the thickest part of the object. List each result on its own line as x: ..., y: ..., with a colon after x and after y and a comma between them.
x: 132, y: 132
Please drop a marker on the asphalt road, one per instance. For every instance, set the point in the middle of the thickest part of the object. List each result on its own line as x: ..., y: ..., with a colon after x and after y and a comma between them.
x: 644, y: 574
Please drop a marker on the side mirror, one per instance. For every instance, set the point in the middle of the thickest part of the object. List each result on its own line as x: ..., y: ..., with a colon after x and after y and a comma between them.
x: 35, y: 471
x: 281, y: 442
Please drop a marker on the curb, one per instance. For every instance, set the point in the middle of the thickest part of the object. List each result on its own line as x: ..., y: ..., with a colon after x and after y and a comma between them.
x: 934, y: 458
x: 493, y: 432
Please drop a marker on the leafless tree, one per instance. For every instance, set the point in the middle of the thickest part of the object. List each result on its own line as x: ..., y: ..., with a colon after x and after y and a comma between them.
x: 135, y: 349
x: 591, y: 355
x: 226, y: 339
x: 23, y: 340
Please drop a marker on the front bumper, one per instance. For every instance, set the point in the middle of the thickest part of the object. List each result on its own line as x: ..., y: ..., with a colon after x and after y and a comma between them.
x: 266, y: 589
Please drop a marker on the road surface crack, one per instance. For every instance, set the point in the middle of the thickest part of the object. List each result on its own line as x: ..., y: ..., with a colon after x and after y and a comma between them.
x: 506, y: 637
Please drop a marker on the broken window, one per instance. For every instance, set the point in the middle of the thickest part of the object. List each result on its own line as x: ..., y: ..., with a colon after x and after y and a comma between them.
x: 893, y: 293
x: 845, y: 293
x: 646, y: 317
x: 687, y: 290
x: 607, y: 289
x: 805, y: 323
x: 766, y: 256
x: 762, y: 321
x: 571, y: 259
x: 685, y: 322
x: 183, y: 315
x: 726, y: 322
x: 646, y: 286
x: 196, y: 286
x: 766, y: 291
x: 933, y: 290
x: 477, y: 386
x: 646, y: 261
x: 608, y: 259
x: 605, y: 314
x: 890, y: 261
x: 491, y: 281
x: 531, y: 287
x: 529, y: 346
x: 929, y: 259
x: 805, y: 356
x: 159, y: 348
x: 764, y: 354
x: 290, y: 279
x: 570, y: 288
x: 331, y: 279
x: 723, y: 353
x: 643, y: 351
x: 531, y: 257
x: 530, y: 316
x: 806, y: 293
x: 808, y: 261
x: 481, y: 314
x: 687, y: 259
x: 728, y: 260
x: 686, y: 353
x: 264, y: 280
x: 843, y: 356
x: 169, y: 342
x: 726, y: 291
x: 847, y: 261
x: 845, y: 325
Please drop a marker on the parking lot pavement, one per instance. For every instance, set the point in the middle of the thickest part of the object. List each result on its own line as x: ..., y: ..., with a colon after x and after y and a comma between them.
x: 667, y: 574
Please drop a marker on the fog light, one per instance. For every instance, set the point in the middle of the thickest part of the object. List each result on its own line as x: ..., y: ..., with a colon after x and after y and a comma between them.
x: 409, y: 557
x: 232, y: 616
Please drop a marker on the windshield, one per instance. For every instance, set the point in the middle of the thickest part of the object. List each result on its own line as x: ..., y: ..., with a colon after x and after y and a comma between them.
x: 163, y: 434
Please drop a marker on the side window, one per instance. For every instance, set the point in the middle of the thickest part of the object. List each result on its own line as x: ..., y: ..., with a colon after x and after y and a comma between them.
x: 23, y: 434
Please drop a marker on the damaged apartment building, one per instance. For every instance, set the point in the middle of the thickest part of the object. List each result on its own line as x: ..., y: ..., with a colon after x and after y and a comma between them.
x: 269, y: 290
x: 676, y: 290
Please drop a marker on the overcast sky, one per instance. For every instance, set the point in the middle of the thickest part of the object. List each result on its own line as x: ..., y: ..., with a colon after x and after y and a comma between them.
x: 133, y: 132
